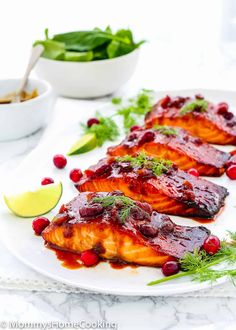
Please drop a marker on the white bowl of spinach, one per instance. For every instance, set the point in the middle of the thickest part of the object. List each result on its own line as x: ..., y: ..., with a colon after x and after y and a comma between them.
x: 86, y: 64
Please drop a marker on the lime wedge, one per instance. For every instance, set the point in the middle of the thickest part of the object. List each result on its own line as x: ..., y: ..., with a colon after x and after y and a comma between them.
x: 85, y: 144
x: 34, y: 203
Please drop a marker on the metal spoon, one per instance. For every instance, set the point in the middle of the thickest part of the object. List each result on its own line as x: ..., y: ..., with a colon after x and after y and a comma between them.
x: 14, y: 97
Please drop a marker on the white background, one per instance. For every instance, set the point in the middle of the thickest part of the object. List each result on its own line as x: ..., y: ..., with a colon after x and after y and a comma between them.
x: 186, y: 38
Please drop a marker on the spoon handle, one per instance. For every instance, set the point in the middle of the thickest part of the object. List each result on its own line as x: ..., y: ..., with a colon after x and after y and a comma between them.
x: 36, y: 52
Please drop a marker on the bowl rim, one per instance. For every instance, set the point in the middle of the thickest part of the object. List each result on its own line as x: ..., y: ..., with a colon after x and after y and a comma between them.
x: 96, y: 62
x: 36, y: 99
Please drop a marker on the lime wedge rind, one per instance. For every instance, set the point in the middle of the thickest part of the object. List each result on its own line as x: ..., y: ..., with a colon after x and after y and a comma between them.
x: 35, y: 203
x: 86, y: 143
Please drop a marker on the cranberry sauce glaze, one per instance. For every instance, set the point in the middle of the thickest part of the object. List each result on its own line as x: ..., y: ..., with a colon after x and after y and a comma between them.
x: 214, y: 124
x: 177, y: 145
x: 116, y: 226
x: 172, y: 192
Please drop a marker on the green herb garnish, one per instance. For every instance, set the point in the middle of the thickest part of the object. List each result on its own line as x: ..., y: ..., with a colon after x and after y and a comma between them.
x: 86, y: 46
x: 199, y: 264
x: 106, y: 130
x: 157, y: 165
x: 166, y: 130
x: 197, y: 105
x: 116, y: 100
x: 136, y: 108
x: 125, y: 204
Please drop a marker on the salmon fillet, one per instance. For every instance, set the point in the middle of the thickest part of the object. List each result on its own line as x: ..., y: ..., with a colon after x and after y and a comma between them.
x: 144, y: 237
x: 177, y: 145
x: 213, y: 124
x: 173, y: 191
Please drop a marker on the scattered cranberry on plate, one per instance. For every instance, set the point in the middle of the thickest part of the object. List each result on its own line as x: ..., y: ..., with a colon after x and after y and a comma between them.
x: 39, y: 224
x: 231, y: 172
x: 212, y: 244
x: 59, y: 161
x: 92, y: 121
x: 89, y: 258
x: 76, y: 174
x: 193, y: 172
x: 46, y: 181
x: 170, y: 268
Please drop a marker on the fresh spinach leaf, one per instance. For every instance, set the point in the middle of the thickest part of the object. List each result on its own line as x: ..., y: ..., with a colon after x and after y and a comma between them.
x: 52, y: 49
x: 82, y: 41
x: 91, y: 45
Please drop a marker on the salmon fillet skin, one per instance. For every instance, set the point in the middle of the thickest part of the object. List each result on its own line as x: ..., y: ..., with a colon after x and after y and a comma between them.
x: 211, y: 122
x: 157, y: 182
x: 175, y: 144
x: 119, y: 228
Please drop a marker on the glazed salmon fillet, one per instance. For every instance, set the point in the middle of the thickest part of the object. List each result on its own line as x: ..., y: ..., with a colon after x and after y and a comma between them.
x: 210, y: 122
x: 157, y: 182
x: 100, y: 221
x: 175, y: 144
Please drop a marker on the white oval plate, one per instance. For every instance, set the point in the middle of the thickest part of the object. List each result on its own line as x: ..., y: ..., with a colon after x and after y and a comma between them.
x: 17, y: 235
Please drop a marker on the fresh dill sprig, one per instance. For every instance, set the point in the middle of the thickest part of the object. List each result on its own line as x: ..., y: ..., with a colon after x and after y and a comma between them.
x: 136, y: 108
x: 125, y: 204
x: 198, y: 265
x: 197, y: 105
x: 105, y: 130
x: 166, y: 130
x: 157, y: 165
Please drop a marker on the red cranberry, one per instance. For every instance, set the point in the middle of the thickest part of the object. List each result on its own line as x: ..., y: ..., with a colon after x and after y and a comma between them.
x: 145, y: 206
x: 39, y: 224
x: 178, y: 102
x: 135, y: 128
x: 103, y: 171
x: 89, y: 258
x: 222, y: 108
x: 170, y: 268
x: 198, y: 142
x: 165, y: 102
x: 46, y: 181
x: 147, y: 137
x: 59, y: 161
x: 167, y: 227
x: 231, y: 172
x: 212, y: 244
x: 138, y: 214
x: 116, y: 193
x: 125, y: 167
x: 148, y: 230
x: 75, y: 175
x: 231, y: 124
x: 132, y: 137
x: 199, y: 97
x: 228, y: 115
x: 91, y: 210
x: 92, y: 121
x: 145, y: 174
x: 193, y: 172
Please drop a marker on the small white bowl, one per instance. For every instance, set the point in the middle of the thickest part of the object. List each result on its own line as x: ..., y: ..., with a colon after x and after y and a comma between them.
x: 20, y: 119
x: 88, y: 79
